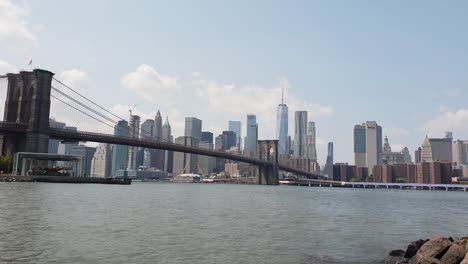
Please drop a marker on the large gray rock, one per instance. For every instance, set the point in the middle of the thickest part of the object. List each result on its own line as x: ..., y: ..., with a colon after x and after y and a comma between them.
x: 432, y: 251
x: 413, y: 248
x: 454, y: 255
x: 465, y: 259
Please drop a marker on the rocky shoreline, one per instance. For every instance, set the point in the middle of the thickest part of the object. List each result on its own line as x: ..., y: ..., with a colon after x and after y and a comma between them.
x: 437, y: 250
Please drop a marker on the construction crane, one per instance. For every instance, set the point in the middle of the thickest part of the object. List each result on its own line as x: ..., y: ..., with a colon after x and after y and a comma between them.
x: 130, y: 111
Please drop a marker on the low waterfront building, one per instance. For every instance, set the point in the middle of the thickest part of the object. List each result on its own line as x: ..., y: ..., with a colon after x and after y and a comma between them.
x: 346, y: 172
x: 424, y: 173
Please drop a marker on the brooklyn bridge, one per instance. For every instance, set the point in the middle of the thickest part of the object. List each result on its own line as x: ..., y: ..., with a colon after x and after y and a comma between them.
x: 25, y: 127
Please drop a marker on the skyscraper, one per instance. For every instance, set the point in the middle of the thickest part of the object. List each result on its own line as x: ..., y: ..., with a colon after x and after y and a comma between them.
x: 168, y: 155
x: 133, y: 132
x: 436, y: 149
x: 185, y: 162
x: 147, y: 129
x: 120, y: 152
x: 282, y: 126
x: 146, y: 132
x: 193, y: 127
x: 101, y: 164
x: 417, y: 155
x: 460, y: 153
x: 368, y: 145
x: 300, y: 134
x: 86, y: 153
x: 229, y: 139
x: 329, y: 164
x: 236, y: 127
x: 207, y: 137
x: 157, y: 155
x: 311, y: 146
x: 250, y: 145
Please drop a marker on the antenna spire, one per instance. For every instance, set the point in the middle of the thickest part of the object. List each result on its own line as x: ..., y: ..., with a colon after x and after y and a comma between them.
x: 282, y: 95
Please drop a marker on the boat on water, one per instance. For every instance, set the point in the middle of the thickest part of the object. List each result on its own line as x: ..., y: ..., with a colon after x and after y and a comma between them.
x: 188, y: 178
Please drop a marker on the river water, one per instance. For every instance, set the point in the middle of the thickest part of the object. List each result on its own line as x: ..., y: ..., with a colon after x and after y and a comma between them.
x: 216, y: 223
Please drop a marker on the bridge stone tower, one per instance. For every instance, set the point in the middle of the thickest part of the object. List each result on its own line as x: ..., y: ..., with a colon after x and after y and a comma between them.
x: 268, y: 150
x: 28, y: 103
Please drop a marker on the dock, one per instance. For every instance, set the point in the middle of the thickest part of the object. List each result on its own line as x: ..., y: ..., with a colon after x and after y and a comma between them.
x: 65, y: 179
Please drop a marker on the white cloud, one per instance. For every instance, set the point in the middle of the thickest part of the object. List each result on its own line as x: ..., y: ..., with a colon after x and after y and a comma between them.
x: 6, y: 67
x: 15, y: 32
x: 455, y: 121
x: 78, y: 80
x: 231, y: 102
x: 146, y: 82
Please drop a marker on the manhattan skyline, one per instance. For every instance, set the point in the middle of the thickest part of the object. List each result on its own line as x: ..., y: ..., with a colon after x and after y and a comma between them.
x: 343, y: 65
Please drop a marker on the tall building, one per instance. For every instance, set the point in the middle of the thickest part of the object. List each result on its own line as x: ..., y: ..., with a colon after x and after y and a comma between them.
x: 147, y: 132
x: 229, y: 139
x: 193, y: 127
x: 54, y: 143
x: 193, y: 133
x: 157, y: 155
x: 311, y: 146
x: 391, y: 158
x: 120, y: 152
x: 300, y: 134
x: 184, y: 162
x: 86, y: 153
x: 282, y: 126
x: 133, y: 132
x: 417, y: 156
x: 368, y: 145
x: 206, y: 165
x: 147, y: 129
x: 329, y: 164
x: 101, y: 164
x: 406, y: 155
x: 236, y: 127
x: 460, y: 154
x: 436, y: 149
x: 168, y: 155
x: 250, y: 144
x: 207, y: 137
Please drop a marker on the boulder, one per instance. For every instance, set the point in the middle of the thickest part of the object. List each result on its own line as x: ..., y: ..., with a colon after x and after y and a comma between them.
x: 463, y: 242
x: 413, y: 248
x: 454, y: 255
x: 465, y: 259
x: 395, y: 257
x: 432, y: 251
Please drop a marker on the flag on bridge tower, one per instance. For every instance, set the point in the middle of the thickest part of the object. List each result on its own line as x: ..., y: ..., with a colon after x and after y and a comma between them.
x: 30, y: 63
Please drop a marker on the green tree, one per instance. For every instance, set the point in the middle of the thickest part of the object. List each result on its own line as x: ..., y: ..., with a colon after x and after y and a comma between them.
x: 6, y: 164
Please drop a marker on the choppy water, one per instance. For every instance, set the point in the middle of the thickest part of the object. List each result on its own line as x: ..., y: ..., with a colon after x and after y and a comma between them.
x: 202, y: 223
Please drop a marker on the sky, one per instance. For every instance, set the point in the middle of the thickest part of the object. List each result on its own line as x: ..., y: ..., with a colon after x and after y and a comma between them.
x: 401, y: 63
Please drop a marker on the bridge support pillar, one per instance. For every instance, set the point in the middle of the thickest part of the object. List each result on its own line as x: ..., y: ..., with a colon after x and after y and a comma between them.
x: 28, y: 102
x: 268, y: 150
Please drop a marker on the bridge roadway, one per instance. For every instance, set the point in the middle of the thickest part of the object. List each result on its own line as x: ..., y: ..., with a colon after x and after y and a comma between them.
x: 6, y: 127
